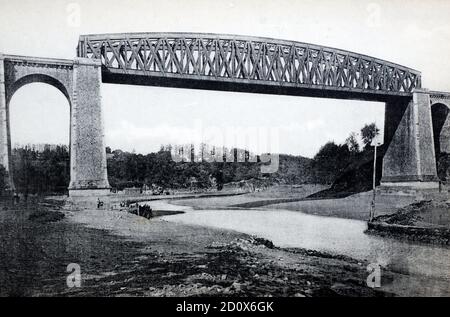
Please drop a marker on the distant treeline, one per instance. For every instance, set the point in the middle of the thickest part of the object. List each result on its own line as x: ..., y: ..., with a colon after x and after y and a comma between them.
x: 43, y: 170
x: 129, y: 169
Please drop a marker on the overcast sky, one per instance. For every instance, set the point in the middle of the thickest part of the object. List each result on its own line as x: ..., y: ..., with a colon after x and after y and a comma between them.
x: 412, y: 33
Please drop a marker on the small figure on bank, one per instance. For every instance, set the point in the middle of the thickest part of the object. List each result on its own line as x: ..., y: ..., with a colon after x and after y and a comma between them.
x: 16, y: 198
x: 99, y: 203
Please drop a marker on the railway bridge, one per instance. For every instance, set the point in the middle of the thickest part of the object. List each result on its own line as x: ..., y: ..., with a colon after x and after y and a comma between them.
x: 417, y: 124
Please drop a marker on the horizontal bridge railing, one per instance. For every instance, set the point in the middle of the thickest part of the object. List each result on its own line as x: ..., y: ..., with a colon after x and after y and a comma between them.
x: 246, y: 59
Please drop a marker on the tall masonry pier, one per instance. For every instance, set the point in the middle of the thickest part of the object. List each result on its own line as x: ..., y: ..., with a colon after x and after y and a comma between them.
x: 417, y: 122
x: 410, y: 159
x: 79, y: 80
x: 88, y: 173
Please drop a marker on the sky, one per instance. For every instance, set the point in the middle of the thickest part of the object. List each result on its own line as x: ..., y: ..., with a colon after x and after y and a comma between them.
x: 411, y: 33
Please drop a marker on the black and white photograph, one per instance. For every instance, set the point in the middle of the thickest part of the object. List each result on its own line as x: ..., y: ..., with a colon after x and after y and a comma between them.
x: 224, y: 154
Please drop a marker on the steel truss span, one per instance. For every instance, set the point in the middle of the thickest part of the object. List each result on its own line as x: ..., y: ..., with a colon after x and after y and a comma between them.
x: 247, y: 60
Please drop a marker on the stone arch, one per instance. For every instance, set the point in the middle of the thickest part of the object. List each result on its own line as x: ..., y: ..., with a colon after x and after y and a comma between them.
x: 38, y: 78
x: 79, y: 80
x: 12, y: 88
x: 440, y: 113
x: 16, y: 72
x: 441, y: 126
x: 440, y: 102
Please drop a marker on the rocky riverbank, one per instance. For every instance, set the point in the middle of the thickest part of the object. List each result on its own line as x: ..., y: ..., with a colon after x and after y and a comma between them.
x: 424, y: 221
x: 121, y: 254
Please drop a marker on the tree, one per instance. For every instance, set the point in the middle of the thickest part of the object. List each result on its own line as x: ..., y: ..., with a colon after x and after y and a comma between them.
x: 3, y: 176
x: 41, y: 171
x: 330, y: 161
x: 368, y: 133
x: 352, y: 143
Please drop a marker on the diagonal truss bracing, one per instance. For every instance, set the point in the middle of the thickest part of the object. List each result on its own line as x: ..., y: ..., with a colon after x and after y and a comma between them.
x: 246, y: 59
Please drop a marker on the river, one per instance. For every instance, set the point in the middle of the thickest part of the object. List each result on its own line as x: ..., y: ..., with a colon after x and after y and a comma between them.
x: 430, y: 264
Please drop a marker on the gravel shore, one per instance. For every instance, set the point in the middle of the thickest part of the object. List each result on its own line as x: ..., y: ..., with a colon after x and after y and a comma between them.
x: 121, y: 254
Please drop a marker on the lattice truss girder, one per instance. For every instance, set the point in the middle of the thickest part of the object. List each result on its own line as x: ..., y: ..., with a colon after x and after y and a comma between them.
x: 296, y: 63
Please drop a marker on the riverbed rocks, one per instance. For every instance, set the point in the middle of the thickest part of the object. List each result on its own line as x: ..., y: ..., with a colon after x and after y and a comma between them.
x: 244, y: 244
x: 130, y: 256
x: 425, y: 221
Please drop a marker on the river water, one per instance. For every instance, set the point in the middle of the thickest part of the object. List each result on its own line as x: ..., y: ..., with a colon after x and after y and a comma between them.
x: 333, y: 235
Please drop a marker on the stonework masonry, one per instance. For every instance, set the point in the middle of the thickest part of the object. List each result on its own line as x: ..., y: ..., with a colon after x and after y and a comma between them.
x: 79, y: 80
x: 4, y: 129
x: 410, y: 156
x: 88, y: 155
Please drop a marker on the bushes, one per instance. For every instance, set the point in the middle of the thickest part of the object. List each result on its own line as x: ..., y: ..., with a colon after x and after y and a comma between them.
x: 41, y: 171
x: 134, y: 170
x: 3, y: 176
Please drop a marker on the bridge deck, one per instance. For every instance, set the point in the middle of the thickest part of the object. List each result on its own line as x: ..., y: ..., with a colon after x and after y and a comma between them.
x: 230, y: 62
x: 38, y: 60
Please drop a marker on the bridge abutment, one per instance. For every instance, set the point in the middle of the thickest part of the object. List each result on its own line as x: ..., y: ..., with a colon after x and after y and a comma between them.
x: 88, y: 171
x: 410, y: 159
x: 4, y: 131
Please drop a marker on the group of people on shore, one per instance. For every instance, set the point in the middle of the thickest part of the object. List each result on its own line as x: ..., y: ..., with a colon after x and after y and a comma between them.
x: 134, y: 208
x: 141, y: 210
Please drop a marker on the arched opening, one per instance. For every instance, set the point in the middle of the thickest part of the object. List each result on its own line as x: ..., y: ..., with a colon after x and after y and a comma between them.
x: 39, y: 120
x: 441, y: 132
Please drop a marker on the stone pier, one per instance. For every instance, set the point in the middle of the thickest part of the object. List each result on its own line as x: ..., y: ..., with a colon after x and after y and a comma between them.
x: 88, y: 172
x: 5, y: 148
x: 80, y: 81
x: 410, y: 159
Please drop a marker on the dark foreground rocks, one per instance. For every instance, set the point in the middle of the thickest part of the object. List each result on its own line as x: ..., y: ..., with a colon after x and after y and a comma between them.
x: 135, y: 256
